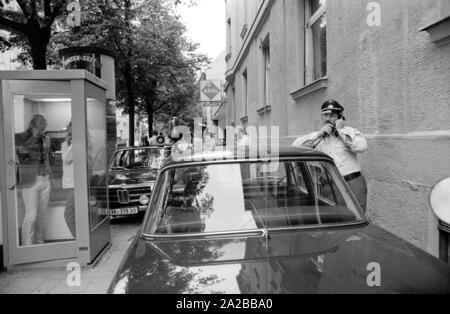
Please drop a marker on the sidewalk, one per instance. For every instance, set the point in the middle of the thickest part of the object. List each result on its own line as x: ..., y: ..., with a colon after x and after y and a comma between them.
x: 94, y: 279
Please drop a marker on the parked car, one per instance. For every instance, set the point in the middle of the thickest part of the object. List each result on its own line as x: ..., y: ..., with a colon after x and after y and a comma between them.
x: 278, y: 224
x: 132, y: 173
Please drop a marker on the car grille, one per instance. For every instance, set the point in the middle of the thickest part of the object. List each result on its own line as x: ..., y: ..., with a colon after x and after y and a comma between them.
x: 121, y: 197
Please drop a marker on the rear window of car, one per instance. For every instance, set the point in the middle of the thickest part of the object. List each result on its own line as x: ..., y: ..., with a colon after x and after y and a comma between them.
x: 249, y: 196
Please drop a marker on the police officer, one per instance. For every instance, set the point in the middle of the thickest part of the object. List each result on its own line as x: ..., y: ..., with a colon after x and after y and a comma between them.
x: 342, y: 143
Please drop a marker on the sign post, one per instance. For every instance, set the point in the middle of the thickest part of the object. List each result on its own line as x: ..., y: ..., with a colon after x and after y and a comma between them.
x: 211, y: 96
x: 210, y: 91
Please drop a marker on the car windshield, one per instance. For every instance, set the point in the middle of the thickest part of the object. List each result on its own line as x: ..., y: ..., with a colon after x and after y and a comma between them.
x: 249, y: 196
x: 138, y: 158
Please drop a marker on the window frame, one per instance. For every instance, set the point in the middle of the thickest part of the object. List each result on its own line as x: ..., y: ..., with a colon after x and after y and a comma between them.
x: 310, y: 19
x: 229, y: 40
x: 245, y: 92
x: 266, y: 60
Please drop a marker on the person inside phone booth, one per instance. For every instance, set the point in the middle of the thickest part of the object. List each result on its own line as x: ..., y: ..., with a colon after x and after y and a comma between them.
x: 34, y: 178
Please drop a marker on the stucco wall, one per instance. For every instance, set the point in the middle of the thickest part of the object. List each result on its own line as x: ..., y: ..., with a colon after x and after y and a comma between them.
x: 401, y: 172
x: 392, y: 80
x: 394, y: 84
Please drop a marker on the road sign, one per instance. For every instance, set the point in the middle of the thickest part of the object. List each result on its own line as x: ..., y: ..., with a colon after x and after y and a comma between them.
x: 211, y: 91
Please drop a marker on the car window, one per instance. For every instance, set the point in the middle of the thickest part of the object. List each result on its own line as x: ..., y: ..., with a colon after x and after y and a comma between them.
x: 324, y: 185
x: 248, y: 196
x: 139, y: 158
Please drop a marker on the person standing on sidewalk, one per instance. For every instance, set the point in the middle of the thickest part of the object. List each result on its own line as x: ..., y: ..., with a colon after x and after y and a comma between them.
x: 343, y: 144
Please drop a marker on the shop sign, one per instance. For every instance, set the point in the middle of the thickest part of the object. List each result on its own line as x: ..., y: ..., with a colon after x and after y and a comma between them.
x: 210, y: 91
x: 78, y: 58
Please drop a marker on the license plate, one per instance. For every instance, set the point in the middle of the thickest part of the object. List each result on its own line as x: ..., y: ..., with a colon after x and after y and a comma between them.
x: 119, y: 211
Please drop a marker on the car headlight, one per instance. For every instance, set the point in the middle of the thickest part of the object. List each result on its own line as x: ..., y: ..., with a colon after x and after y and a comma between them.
x: 144, y: 199
x: 93, y: 201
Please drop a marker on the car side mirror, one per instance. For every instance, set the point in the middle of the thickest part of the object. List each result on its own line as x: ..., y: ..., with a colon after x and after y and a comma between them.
x: 440, y: 200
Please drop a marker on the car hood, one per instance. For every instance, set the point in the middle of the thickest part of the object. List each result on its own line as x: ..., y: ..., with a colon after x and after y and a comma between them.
x: 133, y: 176
x: 327, y: 261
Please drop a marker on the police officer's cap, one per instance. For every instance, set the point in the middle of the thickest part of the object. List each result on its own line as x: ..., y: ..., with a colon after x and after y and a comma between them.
x: 332, y: 106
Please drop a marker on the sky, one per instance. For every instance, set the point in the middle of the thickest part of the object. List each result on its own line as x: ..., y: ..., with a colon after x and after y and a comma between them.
x: 206, y: 25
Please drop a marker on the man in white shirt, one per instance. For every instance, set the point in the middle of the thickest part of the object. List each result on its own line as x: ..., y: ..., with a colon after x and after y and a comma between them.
x: 342, y: 143
x: 67, y: 180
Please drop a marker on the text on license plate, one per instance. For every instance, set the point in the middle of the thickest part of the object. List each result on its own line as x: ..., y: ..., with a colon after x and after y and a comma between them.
x: 118, y: 211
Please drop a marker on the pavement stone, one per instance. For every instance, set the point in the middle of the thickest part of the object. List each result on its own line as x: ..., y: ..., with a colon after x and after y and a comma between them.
x: 99, y: 284
x: 4, y: 281
x: 61, y: 287
x: 47, y: 286
x: 94, y: 279
x: 23, y: 285
x: 97, y: 274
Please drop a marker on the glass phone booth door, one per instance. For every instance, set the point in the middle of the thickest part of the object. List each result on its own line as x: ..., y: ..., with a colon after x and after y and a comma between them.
x: 44, y: 202
x: 36, y: 118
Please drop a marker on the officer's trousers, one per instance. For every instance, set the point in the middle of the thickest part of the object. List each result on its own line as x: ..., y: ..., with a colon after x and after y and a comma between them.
x: 359, y: 188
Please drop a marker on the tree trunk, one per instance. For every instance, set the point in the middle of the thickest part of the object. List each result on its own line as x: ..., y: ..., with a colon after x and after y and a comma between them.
x: 131, y: 107
x: 38, y: 57
x: 149, y: 110
x: 129, y: 76
x: 151, y: 96
x: 38, y: 41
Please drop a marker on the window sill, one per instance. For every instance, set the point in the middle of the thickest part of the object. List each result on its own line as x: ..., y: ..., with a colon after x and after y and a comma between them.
x: 315, y: 86
x: 244, y: 31
x: 439, y: 31
x: 264, y: 110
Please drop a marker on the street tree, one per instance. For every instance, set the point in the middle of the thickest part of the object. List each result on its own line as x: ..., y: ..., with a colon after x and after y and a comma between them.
x: 30, y: 27
x: 166, y: 66
x: 156, y: 64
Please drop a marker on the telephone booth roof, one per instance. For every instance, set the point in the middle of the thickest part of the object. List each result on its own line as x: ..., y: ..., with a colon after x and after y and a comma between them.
x: 54, y: 75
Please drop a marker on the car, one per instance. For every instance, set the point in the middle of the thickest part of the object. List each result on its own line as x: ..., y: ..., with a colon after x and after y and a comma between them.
x: 131, y: 175
x: 285, y: 223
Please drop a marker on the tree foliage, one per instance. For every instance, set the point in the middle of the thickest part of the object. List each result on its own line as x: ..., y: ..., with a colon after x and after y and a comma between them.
x: 30, y: 27
x: 166, y: 65
x: 156, y: 66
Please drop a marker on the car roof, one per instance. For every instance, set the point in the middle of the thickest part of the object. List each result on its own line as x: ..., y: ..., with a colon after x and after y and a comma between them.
x: 243, y: 155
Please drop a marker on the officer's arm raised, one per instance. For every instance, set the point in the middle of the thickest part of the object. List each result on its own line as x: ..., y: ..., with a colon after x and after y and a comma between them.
x: 354, y: 140
x: 306, y: 141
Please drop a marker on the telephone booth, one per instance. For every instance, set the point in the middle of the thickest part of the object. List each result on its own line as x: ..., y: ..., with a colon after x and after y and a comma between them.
x: 53, y: 161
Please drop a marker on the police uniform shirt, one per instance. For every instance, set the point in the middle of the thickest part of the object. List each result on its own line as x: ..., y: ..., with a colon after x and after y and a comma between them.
x: 342, y: 149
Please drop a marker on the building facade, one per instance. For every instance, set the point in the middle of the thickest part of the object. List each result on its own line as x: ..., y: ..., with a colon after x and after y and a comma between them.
x: 387, y: 62
x: 216, y: 73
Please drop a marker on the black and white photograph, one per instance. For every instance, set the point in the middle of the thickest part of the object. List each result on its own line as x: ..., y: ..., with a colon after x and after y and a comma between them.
x: 224, y: 152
